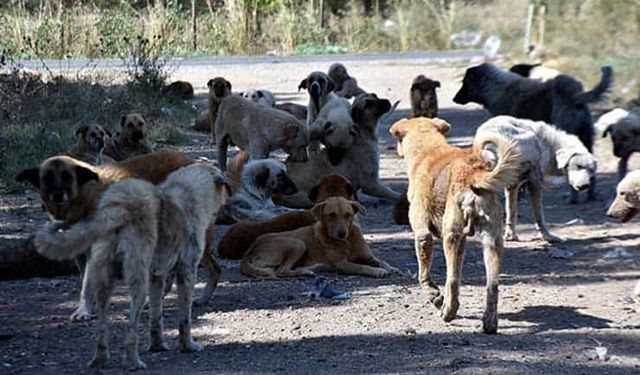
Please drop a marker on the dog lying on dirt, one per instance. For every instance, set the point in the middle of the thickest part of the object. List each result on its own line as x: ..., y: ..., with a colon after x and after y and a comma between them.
x: 263, y: 97
x: 453, y: 194
x: 333, y: 243
x: 627, y: 203
x: 71, y: 192
x: 239, y: 237
x: 258, y: 130
x: 179, y: 89
x: 89, y: 146
x: 535, y: 71
x: 131, y: 139
x: 218, y: 88
x: 261, y: 179
x: 544, y: 150
x: 143, y: 233
x: 424, y: 100
x: 335, y: 128
x: 299, y: 111
x: 345, y: 85
x: 360, y: 163
x: 625, y: 136
x: 561, y: 101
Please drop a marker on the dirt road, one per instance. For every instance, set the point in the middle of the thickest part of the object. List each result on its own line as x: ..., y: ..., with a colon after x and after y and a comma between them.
x: 557, y: 303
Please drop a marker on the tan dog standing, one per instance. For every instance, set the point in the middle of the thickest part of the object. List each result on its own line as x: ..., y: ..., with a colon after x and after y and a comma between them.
x: 453, y: 194
x: 218, y: 88
x: 333, y: 243
x: 131, y: 140
x: 90, y: 142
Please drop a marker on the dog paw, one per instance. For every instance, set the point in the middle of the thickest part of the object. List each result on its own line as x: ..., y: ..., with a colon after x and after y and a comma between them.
x: 490, y: 324
x: 552, y: 238
x: 380, y: 272
x: 511, y: 236
x: 82, y: 313
x: 135, y: 364
x: 437, y: 300
x: 449, y: 312
x: 159, y: 346
x: 203, y: 300
x: 99, y: 360
x: 191, y: 346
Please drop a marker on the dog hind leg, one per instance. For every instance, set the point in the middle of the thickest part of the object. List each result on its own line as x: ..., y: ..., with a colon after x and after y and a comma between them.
x: 453, y: 243
x: 424, y: 255
x: 186, y: 280
x: 511, y: 206
x: 212, y: 270
x: 136, y: 273
x: 492, y: 251
x: 156, y: 291
x: 103, y: 275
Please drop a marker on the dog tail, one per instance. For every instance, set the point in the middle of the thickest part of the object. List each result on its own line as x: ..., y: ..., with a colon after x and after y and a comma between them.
x: 126, y: 202
x: 598, y: 93
x: 506, y: 170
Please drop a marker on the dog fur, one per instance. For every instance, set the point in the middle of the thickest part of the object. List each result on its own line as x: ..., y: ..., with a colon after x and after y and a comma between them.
x: 261, y: 179
x: 298, y: 110
x: 263, y: 97
x: 560, y: 101
x: 131, y: 140
x: 360, y: 163
x: 544, y: 150
x: 258, y: 130
x: 535, y: 71
x: 201, y: 122
x: 179, y: 89
x: 239, y: 237
x: 453, y: 194
x: 218, y: 88
x: 346, y: 86
x: 626, y: 205
x: 625, y: 136
x: 320, y: 88
x: 145, y: 233
x: 335, y: 128
x: 333, y: 243
x: 89, y: 146
x: 424, y: 100
x: 71, y: 191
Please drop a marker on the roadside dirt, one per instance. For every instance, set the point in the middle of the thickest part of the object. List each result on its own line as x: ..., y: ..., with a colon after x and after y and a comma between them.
x: 556, y: 302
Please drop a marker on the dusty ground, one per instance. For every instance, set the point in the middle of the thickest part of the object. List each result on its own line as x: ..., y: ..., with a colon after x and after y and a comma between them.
x: 556, y: 302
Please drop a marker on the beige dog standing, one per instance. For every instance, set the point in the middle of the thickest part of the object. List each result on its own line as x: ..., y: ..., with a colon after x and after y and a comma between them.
x: 146, y: 232
x: 333, y: 243
x: 131, y: 140
x: 90, y: 142
x: 453, y: 194
x: 258, y: 130
x: 218, y: 88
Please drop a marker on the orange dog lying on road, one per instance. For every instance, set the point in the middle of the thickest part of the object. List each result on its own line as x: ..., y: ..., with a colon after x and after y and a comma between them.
x: 240, y: 236
x: 452, y: 194
x: 333, y: 243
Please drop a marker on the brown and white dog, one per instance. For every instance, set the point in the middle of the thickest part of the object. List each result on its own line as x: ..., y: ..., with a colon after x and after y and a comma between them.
x: 90, y: 142
x: 453, y: 194
x: 131, y: 139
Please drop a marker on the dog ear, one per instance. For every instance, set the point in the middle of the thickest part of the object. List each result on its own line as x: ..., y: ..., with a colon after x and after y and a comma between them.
x: 82, y: 130
x: 317, y: 210
x: 260, y: 94
x: 210, y: 83
x: 262, y: 177
x: 440, y: 124
x: 436, y: 83
x: 302, y: 85
x: 358, y: 208
x: 606, y: 131
x: 562, y: 158
x: 330, y: 84
x: 84, y: 175
x: 31, y: 176
x: 221, y: 182
x: 383, y: 105
x: 632, y: 197
x: 351, y: 192
x: 228, y: 84
x: 399, y: 129
x: 313, y: 193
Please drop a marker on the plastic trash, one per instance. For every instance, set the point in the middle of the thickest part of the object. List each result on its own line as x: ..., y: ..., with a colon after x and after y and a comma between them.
x: 320, y: 288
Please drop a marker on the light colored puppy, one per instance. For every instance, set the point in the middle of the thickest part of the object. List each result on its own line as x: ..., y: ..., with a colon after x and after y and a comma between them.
x: 260, y: 180
x: 335, y: 128
x: 627, y: 203
x: 535, y: 71
x: 144, y: 232
x: 258, y: 130
x: 545, y: 150
x: 89, y: 146
x: 263, y: 97
x: 131, y: 139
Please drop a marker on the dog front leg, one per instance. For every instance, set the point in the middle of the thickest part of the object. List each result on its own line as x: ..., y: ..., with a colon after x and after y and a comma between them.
x: 534, y: 185
x: 84, y: 311
x: 186, y: 280
x: 222, y: 146
x: 622, y: 167
x: 212, y: 270
x: 511, y: 206
x: 156, y: 291
x: 375, y: 188
x: 350, y: 268
x: 137, y: 277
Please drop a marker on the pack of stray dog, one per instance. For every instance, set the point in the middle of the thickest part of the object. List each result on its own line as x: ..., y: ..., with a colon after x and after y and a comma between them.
x: 147, y: 216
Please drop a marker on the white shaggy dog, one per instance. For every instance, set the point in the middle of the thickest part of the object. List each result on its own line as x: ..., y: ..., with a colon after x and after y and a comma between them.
x: 144, y: 232
x: 260, y: 180
x: 263, y: 97
x: 545, y: 150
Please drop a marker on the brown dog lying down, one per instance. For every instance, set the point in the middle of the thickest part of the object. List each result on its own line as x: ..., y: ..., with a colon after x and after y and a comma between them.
x: 452, y: 194
x: 71, y: 190
x: 90, y: 142
x: 240, y: 236
x: 333, y: 243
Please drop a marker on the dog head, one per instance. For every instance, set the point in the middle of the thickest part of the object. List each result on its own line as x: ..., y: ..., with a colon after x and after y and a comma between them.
x: 333, y: 185
x: 336, y: 216
x: 268, y: 175
x: 367, y: 109
x: 423, y: 91
x: 627, y: 202
x: 580, y: 168
x: 337, y: 127
x: 259, y: 96
x: 473, y: 84
x: 422, y: 127
x: 59, y: 180
x: 317, y: 84
x: 338, y: 73
x: 93, y: 136
x: 179, y: 89
x: 219, y: 87
x: 133, y: 129
x: 296, y: 136
x: 625, y: 135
